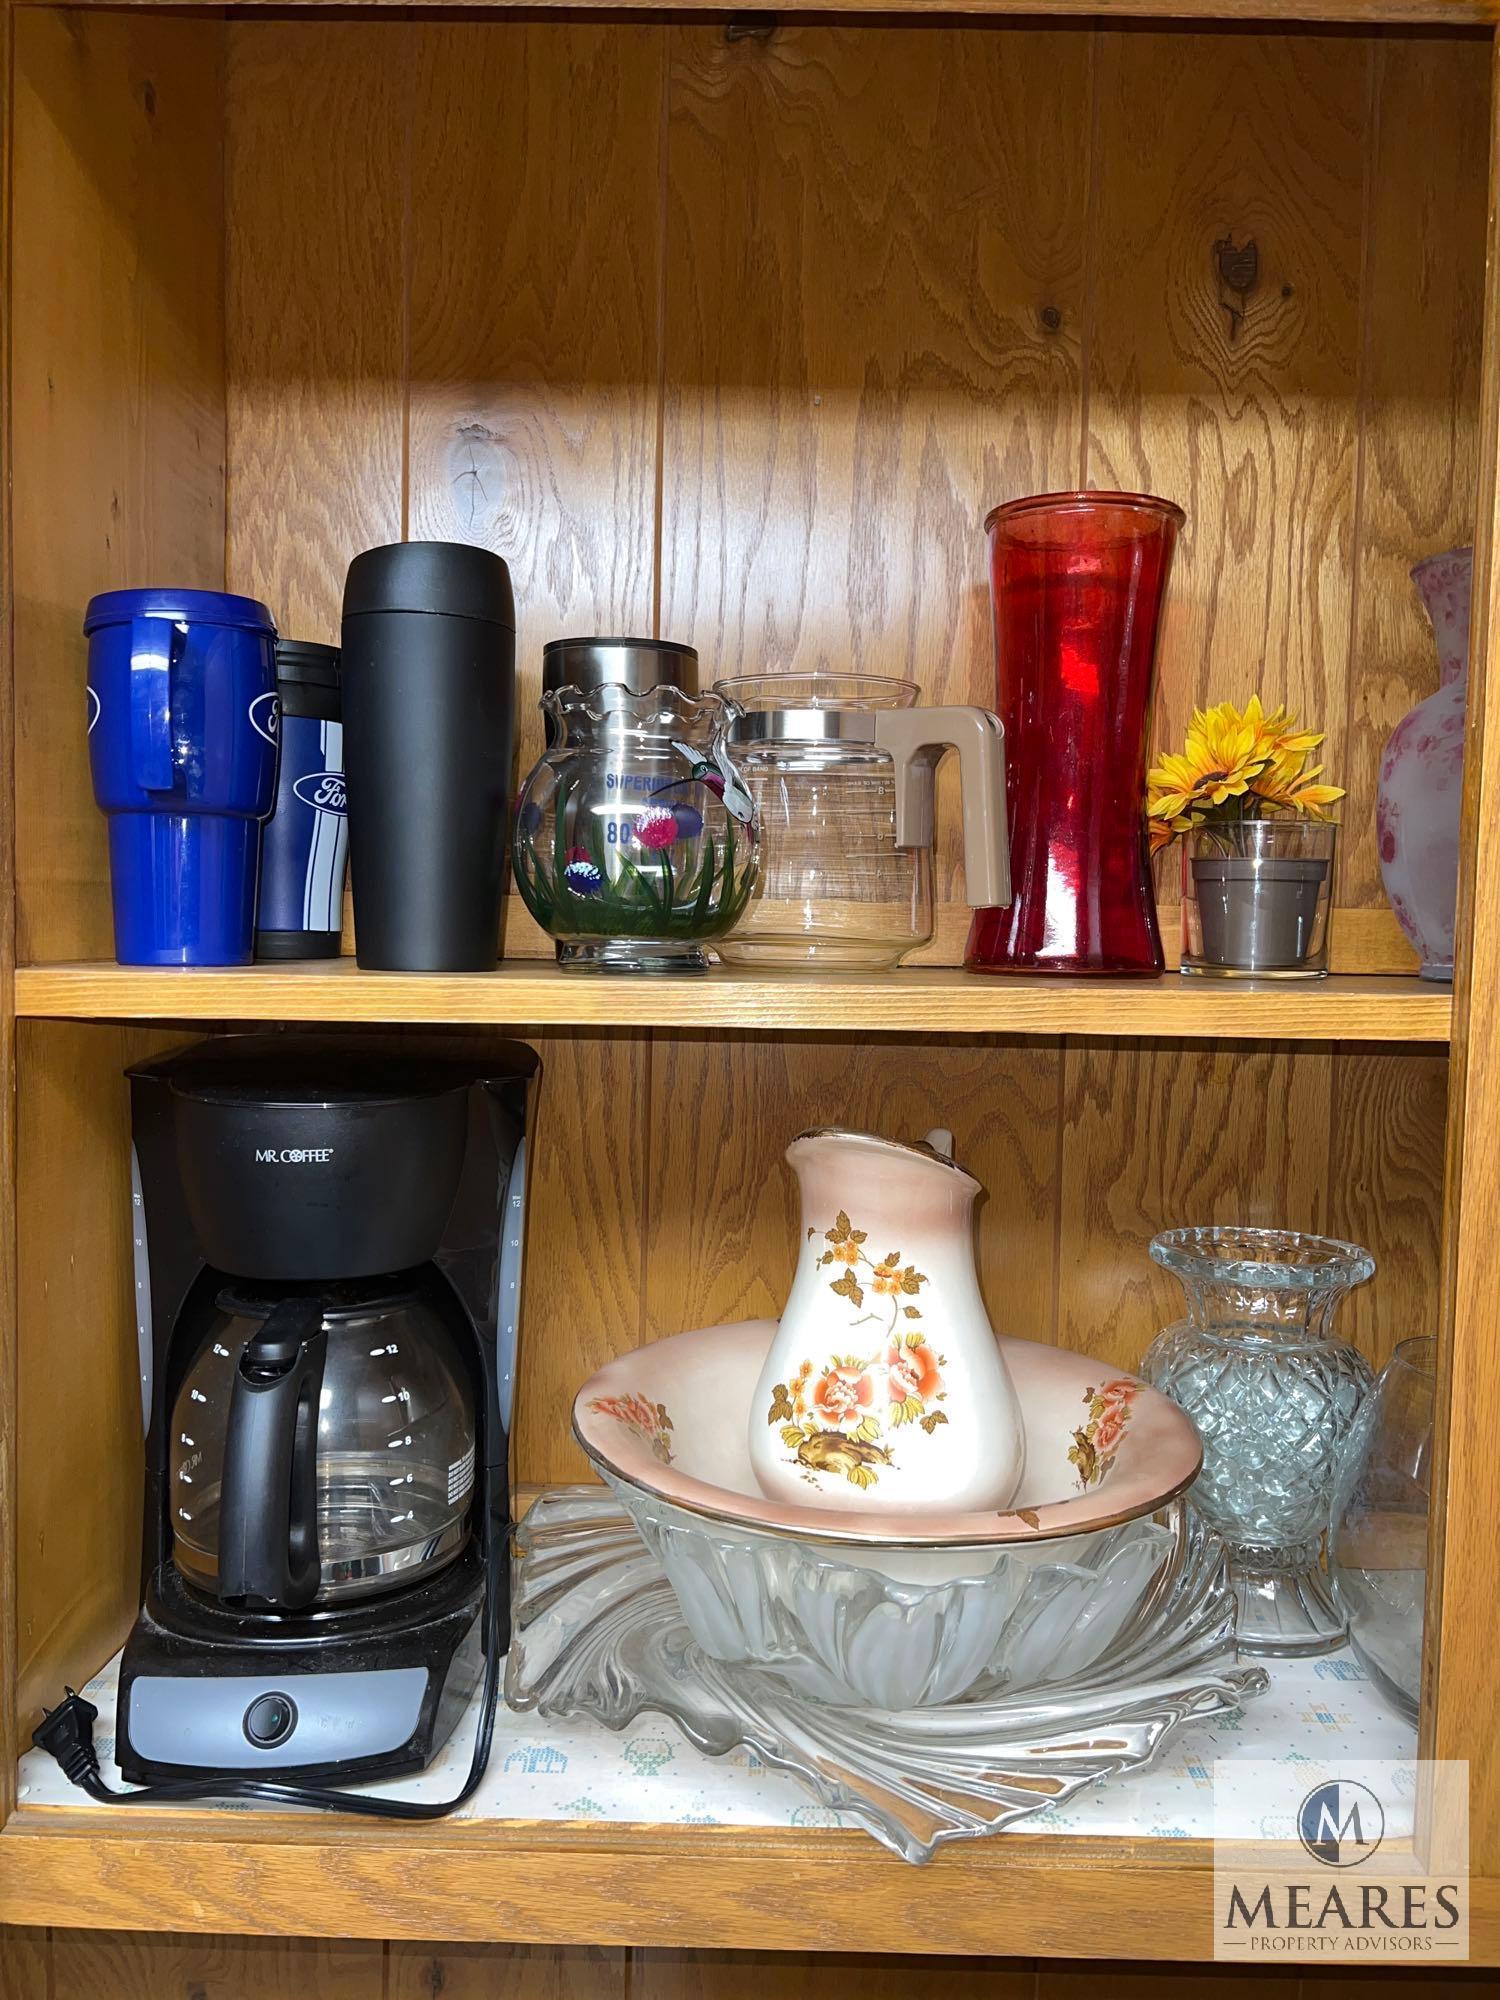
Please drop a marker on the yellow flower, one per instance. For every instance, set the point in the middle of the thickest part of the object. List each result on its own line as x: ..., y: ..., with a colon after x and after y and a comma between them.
x: 1218, y: 764
x: 1235, y: 763
x: 1285, y: 786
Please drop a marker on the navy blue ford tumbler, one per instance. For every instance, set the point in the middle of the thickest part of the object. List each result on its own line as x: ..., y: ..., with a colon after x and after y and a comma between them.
x: 182, y: 721
x: 429, y: 651
x: 305, y: 844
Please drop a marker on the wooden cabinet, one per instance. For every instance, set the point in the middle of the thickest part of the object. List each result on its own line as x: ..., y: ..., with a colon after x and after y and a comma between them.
x: 732, y: 330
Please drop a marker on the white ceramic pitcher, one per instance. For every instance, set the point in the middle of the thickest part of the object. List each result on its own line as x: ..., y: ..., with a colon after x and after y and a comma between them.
x: 884, y: 1386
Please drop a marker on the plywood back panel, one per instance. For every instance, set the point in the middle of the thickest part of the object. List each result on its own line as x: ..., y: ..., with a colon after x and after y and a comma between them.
x: 118, y: 396
x: 137, y: 1965
x: 736, y: 337
x: 78, y: 1401
x: 317, y: 129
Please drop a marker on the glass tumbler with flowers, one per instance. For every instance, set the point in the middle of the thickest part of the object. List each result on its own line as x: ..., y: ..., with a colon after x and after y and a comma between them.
x: 635, y: 842
x: 1257, y: 842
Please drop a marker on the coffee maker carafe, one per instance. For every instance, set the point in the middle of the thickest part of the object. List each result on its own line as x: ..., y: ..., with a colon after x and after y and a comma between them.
x: 321, y: 1447
x: 328, y: 1251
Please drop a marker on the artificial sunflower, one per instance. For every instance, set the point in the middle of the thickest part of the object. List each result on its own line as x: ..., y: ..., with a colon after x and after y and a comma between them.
x: 1286, y: 787
x: 1236, y: 764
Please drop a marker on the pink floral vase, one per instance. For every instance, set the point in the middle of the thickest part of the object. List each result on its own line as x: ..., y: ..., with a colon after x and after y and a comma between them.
x: 1422, y: 775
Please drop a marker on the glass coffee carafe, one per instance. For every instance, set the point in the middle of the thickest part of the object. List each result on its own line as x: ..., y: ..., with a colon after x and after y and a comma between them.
x: 323, y: 1442
x: 840, y: 768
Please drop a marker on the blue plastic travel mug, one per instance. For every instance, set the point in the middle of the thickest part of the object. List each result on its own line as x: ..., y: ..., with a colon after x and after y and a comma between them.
x: 182, y: 720
x: 305, y: 845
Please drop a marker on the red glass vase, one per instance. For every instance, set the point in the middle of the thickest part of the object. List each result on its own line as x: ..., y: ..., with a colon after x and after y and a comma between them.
x: 1076, y: 584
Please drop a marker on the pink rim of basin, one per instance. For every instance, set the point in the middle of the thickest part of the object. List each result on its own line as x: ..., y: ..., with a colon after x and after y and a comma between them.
x: 671, y: 1419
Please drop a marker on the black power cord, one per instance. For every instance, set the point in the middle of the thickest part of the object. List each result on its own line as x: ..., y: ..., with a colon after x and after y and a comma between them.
x: 66, y: 1733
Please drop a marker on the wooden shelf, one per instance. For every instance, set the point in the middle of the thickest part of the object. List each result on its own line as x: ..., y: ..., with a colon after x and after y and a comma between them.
x: 1426, y: 13
x: 531, y: 993
x: 528, y: 1882
x: 541, y: 1883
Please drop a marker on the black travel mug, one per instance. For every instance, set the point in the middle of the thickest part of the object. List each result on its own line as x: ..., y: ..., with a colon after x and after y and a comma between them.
x: 299, y: 911
x: 429, y: 659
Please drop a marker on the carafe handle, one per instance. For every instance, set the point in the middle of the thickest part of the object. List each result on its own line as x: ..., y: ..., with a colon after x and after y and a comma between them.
x: 917, y: 738
x: 152, y: 643
x: 268, y: 1498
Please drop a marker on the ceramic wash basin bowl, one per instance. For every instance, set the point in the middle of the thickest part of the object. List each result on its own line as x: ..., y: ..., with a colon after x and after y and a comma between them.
x: 882, y: 1609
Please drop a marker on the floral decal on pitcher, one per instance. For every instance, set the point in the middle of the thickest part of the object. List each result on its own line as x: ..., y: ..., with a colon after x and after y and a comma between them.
x: 648, y: 1420
x: 1097, y: 1442
x: 832, y: 1418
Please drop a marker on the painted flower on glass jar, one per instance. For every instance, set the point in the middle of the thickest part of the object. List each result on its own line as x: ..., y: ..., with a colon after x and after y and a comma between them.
x: 656, y: 828
x: 580, y: 874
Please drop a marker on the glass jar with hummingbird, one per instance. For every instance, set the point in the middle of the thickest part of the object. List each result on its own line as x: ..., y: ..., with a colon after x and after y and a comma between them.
x: 635, y: 841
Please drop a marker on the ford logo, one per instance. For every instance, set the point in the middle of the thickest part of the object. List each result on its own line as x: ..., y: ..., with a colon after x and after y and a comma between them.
x: 92, y: 700
x: 322, y: 790
x: 265, y: 715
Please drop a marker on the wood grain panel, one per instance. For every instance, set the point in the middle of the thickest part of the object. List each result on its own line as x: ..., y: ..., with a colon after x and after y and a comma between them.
x: 873, y: 305
x: 1423, y: 312
x: 8, y: 1734
x: 1082, y: 1982
x: 1460, y: 1984
x: 747, y: 1975
x: 535, y: 319
x: 722, y: 1227
x: 142, y: 1965
x: 505, y: 1972
x: 1235, y: 395
x: 118, y: 395
x: 319, y: 116
x: 25, y: 1963
x: 584, y: 1236
x: 1385, y: 1189
x: 78, y: 1421
x: 1158, y: 1136
x: 1443, y: 14
x: 1458, y: 1665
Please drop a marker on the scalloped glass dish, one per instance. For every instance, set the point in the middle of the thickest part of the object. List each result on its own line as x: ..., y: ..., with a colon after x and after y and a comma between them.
x: 598, y: 1633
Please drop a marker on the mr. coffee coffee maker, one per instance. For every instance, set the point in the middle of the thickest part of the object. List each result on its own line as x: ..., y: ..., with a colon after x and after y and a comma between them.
x: 327, y: 1262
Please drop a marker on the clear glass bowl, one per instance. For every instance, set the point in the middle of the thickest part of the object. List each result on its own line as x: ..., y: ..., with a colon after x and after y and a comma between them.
x: 1377, y: 1538
x: 1274, y: 1396
x: 901, y: 1628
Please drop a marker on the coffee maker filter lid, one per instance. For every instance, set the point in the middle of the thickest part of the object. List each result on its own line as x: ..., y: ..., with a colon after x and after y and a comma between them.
x: 447, y: 579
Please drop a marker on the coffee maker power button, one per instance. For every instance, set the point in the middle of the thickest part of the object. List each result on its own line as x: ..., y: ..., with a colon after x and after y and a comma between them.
x: 270, y: 1720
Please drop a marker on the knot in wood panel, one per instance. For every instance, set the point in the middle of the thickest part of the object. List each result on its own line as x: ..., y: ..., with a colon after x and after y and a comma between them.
x: 1237, y: 268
